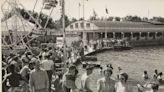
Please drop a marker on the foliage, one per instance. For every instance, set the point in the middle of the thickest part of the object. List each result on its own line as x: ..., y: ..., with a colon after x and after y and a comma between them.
x: 60, y: 21
x: 42, y: 18
x: 160, y: 19
x: 117, y: 18
x: 110, y: 19
x: 132, y: 18
x: 25, y: 14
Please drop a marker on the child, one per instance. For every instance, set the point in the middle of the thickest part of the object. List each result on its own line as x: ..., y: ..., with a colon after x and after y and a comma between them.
x: 119, y: 72
x: 145, y: 76
x: 155, y: 74
x: 159, y: 77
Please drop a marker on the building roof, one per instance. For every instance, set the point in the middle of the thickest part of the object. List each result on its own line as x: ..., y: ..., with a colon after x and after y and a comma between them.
x: 128, y: 24
x: 115, y: 26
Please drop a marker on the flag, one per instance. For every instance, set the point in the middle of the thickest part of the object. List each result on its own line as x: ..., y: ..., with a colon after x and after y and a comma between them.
x: 79, y: 4
x: 47, y: 6
x: 106, y: 11
x: 94, y: 13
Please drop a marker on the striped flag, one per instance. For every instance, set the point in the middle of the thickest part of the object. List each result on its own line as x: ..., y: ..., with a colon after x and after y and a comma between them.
x: 106, y: 11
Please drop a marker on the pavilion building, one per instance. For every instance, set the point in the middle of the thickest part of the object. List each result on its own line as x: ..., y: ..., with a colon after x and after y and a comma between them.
x: 137, y: 33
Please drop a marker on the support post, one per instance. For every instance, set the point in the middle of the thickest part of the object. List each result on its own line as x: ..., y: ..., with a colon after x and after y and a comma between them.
x: 123, y: 36
x: 140, y: 35
x: 106, y: 35
x: 64, y: 41
x: 156, y: 35
x: 131, y: 35
x: 148, y: 34
x: 114, y: 35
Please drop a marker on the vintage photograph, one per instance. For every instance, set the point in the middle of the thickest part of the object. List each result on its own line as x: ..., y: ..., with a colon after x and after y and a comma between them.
x: 82, y: 45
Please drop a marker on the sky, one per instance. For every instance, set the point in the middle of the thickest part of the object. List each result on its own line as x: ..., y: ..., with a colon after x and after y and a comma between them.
x: 120, y: 8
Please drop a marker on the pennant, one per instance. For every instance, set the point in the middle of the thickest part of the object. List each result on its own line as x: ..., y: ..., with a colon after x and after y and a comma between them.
x: 106, y: 11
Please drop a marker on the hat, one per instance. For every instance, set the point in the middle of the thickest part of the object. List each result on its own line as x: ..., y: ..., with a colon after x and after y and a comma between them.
x: 33, y: 60
x: 24, y: 59
x: 89, y: 67
x: 72, y: 67
x: 28, y: 53
x: 108, y: 69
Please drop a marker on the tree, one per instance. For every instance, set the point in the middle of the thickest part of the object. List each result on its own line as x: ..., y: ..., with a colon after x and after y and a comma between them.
x: 110, y: 19
x: 73, y: 20
x: 92, y: 18
x: 132, y: 18
x: 144, y: 19
x: 81, y: 19
x: 160, y: 19
x: 117, y: 18
x: 67, y: 21
x: 42, y: 18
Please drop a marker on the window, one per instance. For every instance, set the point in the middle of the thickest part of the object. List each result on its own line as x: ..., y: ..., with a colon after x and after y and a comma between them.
x: 82, y: 24
x: 71, y: 26
x: 76, y: 25
x: 88, y: 25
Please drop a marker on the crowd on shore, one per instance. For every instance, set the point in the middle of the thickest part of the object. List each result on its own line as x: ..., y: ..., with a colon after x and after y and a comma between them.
x: 30, y: 73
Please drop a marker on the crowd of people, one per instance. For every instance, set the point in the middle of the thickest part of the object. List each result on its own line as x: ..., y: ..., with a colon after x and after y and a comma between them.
x: 30, y: 73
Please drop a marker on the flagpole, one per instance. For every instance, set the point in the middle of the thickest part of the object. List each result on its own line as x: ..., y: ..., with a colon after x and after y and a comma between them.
x: 83, y: 10
x: 148, y: 14
x: 79, y: 10
x: 105, y: 24
x: 63, y: 24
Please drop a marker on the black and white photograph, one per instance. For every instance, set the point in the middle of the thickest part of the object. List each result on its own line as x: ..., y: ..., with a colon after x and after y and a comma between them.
x: 82, y: 45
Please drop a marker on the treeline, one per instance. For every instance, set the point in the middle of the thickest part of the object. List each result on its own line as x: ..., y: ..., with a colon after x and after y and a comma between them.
x: 127, y: 18
x: 42, y: 18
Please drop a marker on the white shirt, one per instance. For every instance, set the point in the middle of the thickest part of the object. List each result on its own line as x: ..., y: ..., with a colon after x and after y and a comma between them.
x: 24, y: 71
x: 47, y: 64
x: 85, y: 81
x: 119, y: 87
x: 106, y: 86
x: 38, y: 79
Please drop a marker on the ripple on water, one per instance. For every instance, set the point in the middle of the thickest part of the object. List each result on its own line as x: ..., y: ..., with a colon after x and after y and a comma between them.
x: 134, y: 62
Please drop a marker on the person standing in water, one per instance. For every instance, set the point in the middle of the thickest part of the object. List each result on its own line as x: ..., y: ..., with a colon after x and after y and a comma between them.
x: 106, y: 84
x: 121, y: 85
x: 145, y: 76
x: 86, y: 80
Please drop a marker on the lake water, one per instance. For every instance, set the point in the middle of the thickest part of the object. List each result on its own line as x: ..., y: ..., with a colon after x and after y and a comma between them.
x: 133, y: 61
